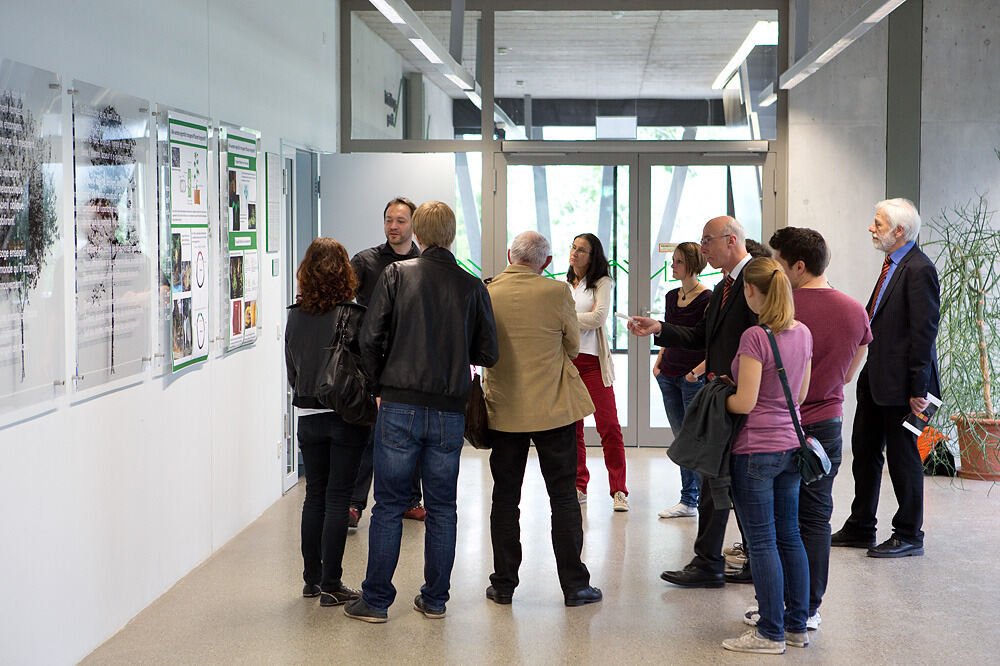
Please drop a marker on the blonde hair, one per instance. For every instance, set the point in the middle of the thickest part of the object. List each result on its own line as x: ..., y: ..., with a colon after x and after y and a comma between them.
x: 434, y: 224
x: 766, y: 275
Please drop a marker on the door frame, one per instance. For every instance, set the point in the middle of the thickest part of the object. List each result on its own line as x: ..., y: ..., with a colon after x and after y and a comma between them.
x: 640, y: 159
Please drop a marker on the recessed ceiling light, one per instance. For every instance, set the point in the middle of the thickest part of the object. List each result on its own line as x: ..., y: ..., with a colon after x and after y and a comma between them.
x: 503, y: 50
x: 617, y: 15
x: 519, y: 82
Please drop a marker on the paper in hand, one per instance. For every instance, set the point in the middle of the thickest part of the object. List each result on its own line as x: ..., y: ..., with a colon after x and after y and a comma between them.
x: 916, y: 423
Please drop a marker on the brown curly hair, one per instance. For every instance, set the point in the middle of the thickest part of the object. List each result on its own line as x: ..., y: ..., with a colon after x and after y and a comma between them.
x: 326, y: 277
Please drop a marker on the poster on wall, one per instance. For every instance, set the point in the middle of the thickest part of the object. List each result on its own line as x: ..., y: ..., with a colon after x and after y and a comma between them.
x: 240, y: 218
x: 32, y: 321
x: 187, y: 271
x: 113, y: 255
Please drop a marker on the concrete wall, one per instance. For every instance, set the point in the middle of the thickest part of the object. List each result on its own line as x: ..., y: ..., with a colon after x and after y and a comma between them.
x: 107, y: 503
x: 375, y: 68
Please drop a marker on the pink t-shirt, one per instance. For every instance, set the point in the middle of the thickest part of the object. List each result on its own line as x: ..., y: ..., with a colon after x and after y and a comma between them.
x: 834, y: 346
x: 768, y: 427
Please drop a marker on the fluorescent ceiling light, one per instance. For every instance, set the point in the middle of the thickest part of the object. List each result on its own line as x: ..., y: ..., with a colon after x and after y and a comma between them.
x: 767, y: 96
x: 474, y: 98
x: 426, y: 50
x: 388, y: 11
x: 459, y: 81
x: 826, y: 49
x: 763, y: 33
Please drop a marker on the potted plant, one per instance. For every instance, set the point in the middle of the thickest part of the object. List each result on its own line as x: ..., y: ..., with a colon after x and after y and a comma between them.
x: 966, y: 248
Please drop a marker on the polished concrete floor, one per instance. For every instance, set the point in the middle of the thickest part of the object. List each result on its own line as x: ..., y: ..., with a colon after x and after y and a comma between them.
x: 243, y: 604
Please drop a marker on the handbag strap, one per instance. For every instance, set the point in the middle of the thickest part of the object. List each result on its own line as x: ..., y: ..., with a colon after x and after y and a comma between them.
x: 780, y: 367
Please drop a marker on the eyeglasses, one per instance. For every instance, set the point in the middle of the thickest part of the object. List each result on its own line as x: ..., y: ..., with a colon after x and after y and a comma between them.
x: 578, y: 250
x: 705, y: 240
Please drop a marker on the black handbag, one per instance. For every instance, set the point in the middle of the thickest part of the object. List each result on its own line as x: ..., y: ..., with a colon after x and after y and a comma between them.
x: 811, y: 457
x: 344, y: 386
x: 475, y: 416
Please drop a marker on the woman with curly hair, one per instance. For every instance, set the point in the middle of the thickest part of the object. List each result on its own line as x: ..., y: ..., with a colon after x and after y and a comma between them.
x: 331, y: 447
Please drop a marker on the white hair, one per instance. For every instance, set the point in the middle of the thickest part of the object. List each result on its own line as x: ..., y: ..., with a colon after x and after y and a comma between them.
x: 901, y: 213
x: 735, y: 228
x: 531, y: 249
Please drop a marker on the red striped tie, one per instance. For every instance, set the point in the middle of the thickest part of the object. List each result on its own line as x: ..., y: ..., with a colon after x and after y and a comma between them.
x: 725, y: 290
x: 878, y: 285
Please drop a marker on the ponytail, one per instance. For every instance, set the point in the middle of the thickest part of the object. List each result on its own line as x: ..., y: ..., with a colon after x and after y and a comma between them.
x: 778, y: 311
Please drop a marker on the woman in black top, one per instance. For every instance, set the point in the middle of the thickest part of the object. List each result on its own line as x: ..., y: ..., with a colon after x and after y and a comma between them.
x: 679, y: 371
x: 331, y: 447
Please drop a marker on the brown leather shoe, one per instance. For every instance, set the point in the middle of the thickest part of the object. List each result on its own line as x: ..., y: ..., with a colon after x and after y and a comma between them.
x: 415, y: 513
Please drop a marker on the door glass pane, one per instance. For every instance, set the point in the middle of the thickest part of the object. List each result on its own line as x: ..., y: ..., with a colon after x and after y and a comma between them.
x: 682, y: 199
x: 563, y: 201
x: 648, y: 75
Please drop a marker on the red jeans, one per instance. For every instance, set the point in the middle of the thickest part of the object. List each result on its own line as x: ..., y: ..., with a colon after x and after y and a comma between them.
x: 606, y: 415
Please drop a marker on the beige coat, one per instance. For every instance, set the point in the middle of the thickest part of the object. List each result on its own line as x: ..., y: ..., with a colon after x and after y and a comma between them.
x: 534, y: 386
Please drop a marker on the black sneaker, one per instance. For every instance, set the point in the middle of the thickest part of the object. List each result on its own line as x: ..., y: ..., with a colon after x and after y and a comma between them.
x: 359, y: 610
x: 341, y: 595
x: 421, y: 606
x: 310, y: 590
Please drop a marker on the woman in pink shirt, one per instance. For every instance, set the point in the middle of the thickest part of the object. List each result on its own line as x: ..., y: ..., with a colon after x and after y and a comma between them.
x: 765, y: 477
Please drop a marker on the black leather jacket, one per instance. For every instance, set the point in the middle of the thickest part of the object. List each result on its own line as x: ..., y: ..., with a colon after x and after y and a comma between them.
x: 427, y: 322
x: 307, y: 341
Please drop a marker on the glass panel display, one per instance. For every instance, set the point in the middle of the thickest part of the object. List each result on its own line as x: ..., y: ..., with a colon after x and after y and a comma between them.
x: 114, y: 255
x: 32, y: 320
x: 647, y: 75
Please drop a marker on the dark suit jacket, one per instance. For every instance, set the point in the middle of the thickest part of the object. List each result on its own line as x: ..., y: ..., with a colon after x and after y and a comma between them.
x: 902, y: 359
x: 718, y: 333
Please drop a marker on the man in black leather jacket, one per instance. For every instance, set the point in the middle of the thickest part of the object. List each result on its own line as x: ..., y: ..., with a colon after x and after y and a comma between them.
x: 368, y: 266
x: 427, y: 322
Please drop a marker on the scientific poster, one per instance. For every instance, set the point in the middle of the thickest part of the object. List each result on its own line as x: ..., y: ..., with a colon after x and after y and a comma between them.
x: 32, y: 321
x: 187, y: 145
x: 111, y: 155
x: 240, y: 205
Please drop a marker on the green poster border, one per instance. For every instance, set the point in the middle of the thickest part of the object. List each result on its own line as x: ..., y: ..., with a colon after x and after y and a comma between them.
x: 233, y: 235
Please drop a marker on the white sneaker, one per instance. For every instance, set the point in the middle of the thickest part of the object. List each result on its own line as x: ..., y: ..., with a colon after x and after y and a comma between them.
x: 751, y: 616
x: 812, y: 624
x: 751, y: 641
x: 581, y: 496
x: 735, y: 556
x: 679, y: 511
x: 620, y: 503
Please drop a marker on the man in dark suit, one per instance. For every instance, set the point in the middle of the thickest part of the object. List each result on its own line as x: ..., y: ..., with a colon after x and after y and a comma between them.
x: 901, y: 370
x: 728, y: 315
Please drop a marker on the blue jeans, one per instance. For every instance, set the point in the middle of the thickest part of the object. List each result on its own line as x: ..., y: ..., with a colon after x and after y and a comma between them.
x: 816, y: 507
x: 766, y: 497
x: 677, y: 395
x: 404, y: 435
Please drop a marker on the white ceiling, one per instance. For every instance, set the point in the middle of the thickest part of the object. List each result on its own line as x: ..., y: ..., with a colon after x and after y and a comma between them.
x: 594, y: 54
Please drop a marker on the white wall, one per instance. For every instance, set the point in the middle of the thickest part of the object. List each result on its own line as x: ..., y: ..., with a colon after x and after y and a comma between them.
x: 105, y: 504
x: 375, y: 68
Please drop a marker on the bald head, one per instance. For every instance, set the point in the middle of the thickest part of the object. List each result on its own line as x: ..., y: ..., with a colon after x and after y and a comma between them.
x: 530, y: 249
x: 723, y: 242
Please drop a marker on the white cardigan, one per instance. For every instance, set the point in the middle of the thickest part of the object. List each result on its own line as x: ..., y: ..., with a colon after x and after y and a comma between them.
x: 596, y: 319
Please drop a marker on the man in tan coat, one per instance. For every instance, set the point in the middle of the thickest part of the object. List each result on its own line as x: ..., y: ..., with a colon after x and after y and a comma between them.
x: 535, y: 393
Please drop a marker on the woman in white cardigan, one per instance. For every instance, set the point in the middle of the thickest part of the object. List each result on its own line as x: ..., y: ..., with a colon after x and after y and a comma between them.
x: 591, y: 283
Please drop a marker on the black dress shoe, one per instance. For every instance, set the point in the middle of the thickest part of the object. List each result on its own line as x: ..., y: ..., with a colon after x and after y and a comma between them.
x: 588, y: 595
x: 692, y: 576
x: 741, y: 575
x: 502, y: 598
x: 847, y: 539
x: 310, y: 590
x: 896, y: 547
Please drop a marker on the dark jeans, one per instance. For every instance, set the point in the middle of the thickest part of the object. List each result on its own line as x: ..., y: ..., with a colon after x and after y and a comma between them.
x: 331, y: 449
x: 878, y: 437
x: 677, y: 395
x: 363, y: 484
x: 766, y: 496
x: 816, y: 507
x: 557, y: 458
x: 405, y: 434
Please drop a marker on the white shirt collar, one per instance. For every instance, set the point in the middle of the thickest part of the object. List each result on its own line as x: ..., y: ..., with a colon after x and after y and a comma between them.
x: 735, y: 273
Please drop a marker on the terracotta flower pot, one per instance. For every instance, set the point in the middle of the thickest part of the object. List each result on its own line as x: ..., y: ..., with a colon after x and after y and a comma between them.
x: 979, y: 446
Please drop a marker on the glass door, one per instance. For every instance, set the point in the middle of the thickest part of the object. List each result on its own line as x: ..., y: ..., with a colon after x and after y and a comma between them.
x: 561, y: 197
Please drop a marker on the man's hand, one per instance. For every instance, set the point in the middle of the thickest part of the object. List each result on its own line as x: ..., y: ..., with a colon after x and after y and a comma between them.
x: 643, y: 326
x: 918, y: 405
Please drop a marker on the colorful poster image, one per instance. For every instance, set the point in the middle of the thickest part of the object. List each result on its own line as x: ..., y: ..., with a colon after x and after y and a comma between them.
x: 236, y: 289
x: 250, y: 279
x: 112, y: 160
x: 32, y: 296
x: 187, y: 162
x: 240, y: 223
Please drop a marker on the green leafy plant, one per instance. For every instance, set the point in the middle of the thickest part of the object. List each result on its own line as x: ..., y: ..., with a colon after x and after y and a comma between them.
x: 966, y: 247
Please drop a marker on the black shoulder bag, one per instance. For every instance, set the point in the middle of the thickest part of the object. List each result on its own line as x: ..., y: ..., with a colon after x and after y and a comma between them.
x: 811, y: 457
x: 344, y: 386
